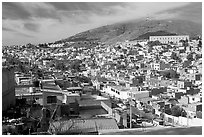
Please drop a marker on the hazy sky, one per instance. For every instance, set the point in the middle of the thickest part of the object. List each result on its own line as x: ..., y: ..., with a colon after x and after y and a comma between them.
x: 47, y: 22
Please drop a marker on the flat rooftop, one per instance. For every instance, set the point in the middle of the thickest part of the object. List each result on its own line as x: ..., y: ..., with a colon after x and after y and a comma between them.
x: 82, y: 126
x: 120, y: 88
x: 21, y: 91
x: 74, y: 88
x: 99, y: 97
x: 89, y: 113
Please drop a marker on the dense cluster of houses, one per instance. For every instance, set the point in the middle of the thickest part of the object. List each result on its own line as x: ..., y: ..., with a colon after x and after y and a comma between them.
x: 155, y: 76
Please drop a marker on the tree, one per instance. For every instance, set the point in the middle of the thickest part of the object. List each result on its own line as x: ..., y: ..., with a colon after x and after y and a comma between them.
x: 154, y: 43
x: 168, y: 111
x: 138, y: 45
x: 45, y: 45
x: 60, y: 66
x: 174, y: 56
x: 199, y: 114
x: 150, y: 49
x: 178, y: 111
x: 23, y: 68
x: 198, y: 56
x: 76, y: 65
x: 162, y: 115
x: 190, y: 57
x: 39, y: 73
x: 173, y: 74
x: 170, y: 74
x: 200, y: 44
x: 34, y: 68
x: 137, y: 67
x: 186, y: 63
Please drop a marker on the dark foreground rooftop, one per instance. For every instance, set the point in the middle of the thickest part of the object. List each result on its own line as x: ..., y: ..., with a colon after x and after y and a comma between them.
x: 82, y: 126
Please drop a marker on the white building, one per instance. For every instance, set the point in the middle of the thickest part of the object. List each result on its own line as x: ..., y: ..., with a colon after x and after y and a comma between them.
x: 195, y: 98
x: 168, y: 39
x: 155, y: 66
x: 120, y: 92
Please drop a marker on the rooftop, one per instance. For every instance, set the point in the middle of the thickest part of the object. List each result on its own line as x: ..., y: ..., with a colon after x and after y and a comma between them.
x: 120, y: 88
x: 83, y: 126
x: 146, y: 99
x: 90, y: 113
x: 99, y: 97
x: 21, y: 91
x: 74, y: 88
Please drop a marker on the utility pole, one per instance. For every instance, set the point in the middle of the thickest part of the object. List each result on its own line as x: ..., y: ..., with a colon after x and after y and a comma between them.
x: 32, y: 87
x: 44, y: 110
x: 31, y: 76
x: 130, y: 114
x: 187, y: 119
x: 131, y: 104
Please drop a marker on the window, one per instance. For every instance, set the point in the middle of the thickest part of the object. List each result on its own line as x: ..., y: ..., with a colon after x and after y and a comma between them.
x: 51, y: 99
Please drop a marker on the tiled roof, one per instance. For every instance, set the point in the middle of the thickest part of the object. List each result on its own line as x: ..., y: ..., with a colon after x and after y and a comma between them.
x: 121, y: 88
x: 83, y: 125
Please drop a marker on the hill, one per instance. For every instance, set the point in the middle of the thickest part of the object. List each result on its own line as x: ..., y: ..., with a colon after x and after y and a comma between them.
x: 138, y: 29
x: 157, y: 33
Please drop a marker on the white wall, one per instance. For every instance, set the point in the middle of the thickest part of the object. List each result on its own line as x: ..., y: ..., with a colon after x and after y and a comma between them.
x: 196, y: 99
x: 183, y: 121
x: 107, y: 108
x: 122, y: 95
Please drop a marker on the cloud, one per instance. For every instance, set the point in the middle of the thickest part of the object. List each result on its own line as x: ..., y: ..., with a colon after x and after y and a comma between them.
x: 56, y: 20
x: 25, y: 35
x: 31, y: 26
x: 28, y: 10
x: 97, y: 7
x: 192, y: 12
x: 41, y: 10
x: 14, y: 11
x: 7, y: 29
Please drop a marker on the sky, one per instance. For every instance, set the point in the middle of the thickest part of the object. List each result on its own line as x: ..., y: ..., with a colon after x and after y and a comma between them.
x: 40, y: 22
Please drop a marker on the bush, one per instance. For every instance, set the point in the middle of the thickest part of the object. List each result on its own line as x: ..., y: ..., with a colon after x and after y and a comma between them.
x: 60, y: 66
x: 170, y: 74
x: 190, y: 57
x: 178, y: 111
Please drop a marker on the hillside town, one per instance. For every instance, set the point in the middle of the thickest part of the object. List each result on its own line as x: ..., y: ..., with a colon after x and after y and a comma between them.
x: 89, y: 87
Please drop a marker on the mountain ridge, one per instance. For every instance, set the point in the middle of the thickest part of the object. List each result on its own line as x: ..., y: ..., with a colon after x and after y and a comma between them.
x: 131, y: 30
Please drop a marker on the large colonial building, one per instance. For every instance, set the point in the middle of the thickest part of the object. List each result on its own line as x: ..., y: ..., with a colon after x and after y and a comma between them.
x: 168, y: 39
